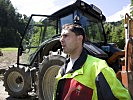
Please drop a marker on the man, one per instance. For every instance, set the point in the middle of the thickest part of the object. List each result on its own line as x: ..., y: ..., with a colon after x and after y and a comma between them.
x: 84, y: 77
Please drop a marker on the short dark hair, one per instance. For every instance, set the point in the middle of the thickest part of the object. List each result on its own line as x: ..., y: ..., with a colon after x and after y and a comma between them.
x: 77, y: 29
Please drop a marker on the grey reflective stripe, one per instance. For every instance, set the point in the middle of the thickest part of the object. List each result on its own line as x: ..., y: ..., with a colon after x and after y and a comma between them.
x: 103, y: 89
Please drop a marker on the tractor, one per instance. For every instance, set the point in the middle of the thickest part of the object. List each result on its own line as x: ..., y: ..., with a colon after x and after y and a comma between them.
x: 40, y: 54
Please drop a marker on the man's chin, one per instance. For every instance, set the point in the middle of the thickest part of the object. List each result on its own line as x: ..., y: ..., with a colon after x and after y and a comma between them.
x: 65, y: 51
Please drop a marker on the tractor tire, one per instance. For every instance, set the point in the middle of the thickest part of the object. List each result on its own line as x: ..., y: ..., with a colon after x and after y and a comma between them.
x: 17, y: 81
x: 48, y: 70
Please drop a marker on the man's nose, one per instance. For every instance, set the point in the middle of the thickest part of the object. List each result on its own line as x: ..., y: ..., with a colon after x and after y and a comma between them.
x: 61, y: 39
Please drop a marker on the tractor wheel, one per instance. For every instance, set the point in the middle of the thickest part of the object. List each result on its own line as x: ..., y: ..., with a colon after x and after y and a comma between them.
x: 48, y: 70
x: 17, y: 81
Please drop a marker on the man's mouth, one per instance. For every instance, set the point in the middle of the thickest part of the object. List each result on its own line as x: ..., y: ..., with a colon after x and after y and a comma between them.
x: 63, y: 46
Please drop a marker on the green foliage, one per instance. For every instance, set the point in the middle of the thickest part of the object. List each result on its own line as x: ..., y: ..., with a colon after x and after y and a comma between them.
x: 11, y: 25
x: 50, y: 32
x: 132, y: 8
x: 115, y: 33
x: 9, y: 49
x: 36, y: 37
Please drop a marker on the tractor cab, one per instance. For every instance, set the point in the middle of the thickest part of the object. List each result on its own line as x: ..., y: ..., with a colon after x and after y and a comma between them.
x: 42, y: 31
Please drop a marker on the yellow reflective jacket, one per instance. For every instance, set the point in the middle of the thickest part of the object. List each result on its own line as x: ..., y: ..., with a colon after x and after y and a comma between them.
x: 91, y: 74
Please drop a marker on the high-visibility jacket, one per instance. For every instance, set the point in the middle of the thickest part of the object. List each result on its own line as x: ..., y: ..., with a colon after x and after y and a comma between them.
x: 94, y: 80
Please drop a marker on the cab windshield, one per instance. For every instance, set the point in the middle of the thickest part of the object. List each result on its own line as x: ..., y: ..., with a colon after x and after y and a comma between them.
x: 39, y: 30
x: 92, y: 26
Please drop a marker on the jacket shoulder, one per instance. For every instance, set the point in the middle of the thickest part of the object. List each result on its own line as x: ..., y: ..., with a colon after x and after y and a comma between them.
x: 95, y: 64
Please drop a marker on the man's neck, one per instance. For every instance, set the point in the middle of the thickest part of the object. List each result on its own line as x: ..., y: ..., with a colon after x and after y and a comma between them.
x: 76, y: 53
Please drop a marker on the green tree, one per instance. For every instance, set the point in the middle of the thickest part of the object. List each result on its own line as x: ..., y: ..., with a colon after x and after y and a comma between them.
x: 11, y: 24
x: 115, y: 33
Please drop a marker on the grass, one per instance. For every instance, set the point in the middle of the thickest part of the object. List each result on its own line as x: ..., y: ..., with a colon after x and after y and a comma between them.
x: 8, y: 49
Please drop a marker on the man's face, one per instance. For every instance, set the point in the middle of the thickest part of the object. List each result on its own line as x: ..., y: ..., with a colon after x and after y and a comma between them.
x: 69, y: 41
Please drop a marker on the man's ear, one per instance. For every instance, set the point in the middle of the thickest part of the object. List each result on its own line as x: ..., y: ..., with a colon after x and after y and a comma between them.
x: 80, y: 37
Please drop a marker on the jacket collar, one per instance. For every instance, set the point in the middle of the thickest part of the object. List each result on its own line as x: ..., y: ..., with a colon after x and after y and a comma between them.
x: 78, y: 63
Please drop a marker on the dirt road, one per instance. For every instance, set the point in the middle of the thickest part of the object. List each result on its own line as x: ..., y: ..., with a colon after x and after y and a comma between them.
x: 9, y: 58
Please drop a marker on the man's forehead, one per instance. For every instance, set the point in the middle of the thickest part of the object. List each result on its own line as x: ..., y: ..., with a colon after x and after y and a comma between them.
x: 64, y: 31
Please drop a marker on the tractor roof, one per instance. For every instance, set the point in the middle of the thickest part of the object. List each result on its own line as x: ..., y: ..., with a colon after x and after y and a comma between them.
x: 84, y: 7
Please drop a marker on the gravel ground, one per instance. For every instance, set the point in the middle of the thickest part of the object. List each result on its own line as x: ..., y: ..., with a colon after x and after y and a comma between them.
x: 3, y: 94
x: 8, y: 58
